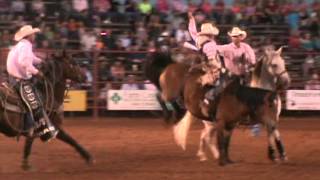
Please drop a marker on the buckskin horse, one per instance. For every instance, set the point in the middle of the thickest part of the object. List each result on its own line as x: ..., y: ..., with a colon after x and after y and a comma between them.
x: 12, y: 113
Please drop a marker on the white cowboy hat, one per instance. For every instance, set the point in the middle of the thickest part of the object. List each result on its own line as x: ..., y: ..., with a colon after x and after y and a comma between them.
x: 236, y: 31
x: 24, y: 31
x: 208, y: 29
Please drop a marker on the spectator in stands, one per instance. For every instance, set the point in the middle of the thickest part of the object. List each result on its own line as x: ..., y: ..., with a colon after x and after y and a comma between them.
x: 130, y: 83
x: 4, y: 9
x: 73, y: 29
x: 130, y: 6
x: 294, y: 40
x: 19, y: 21
x: 38, y: 8
x: 307, y: 66
x: 237, y: 12
x: 149, y: 86
x: 306, y: 42
x: 316, y: 43
x: 125, y: 40
x: 182, y: 34
x: 5, y: 38
x: 103, y: 95
x: 218, y: 11
x: 80, y: 5
x: 48, y: 33
x: 313, y: 83
x: 89, y: 78
x: 18, y: 7
x: 272, y: 10
x: 162, y: 6
x: 179, y: 7
x: 101, y: 8
x: 88, y: 40
x: 141, y: 34
x: 117, y: 71
x: 293, y: 20
x: 206, y: 7
x: 313, y: 25
x: 154, y: 26
x: 145, y: 7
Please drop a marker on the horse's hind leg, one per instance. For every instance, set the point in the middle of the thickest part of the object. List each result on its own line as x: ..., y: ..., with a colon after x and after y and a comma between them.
x: 165, y: 110
x: 63, y: 136
x: 26, y: 153
x: 202, y: 144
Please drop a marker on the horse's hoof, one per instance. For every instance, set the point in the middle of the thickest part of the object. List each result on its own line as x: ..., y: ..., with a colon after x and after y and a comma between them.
x: 222, y: 163
x: 26, y: 167
x: 229, y: 161
x: 202, y: 157
x: 91, y: 161
x: 284, y: 158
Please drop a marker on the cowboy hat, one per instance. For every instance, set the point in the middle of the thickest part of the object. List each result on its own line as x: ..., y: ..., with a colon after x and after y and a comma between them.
x: 236, y: 31
x: 24, y: 31
x: 208, y: 29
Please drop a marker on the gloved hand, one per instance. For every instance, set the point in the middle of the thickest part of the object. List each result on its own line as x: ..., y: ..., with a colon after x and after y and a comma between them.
x: 40, y: 75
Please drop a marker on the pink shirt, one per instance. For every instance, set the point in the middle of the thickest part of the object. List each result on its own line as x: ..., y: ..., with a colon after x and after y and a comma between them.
x: 21, y: 60
x: 232, y: 55
x: 210, y: 48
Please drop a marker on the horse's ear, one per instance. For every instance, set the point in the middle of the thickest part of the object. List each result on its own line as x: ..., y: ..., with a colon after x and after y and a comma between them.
x: 279, y: 51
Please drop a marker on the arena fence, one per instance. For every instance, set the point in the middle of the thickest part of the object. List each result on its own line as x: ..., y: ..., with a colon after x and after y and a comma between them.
x: 94, y: 99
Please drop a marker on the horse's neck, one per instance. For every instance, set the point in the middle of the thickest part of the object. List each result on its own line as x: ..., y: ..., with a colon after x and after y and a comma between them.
x: 59, y: 92
x: 265, y: 81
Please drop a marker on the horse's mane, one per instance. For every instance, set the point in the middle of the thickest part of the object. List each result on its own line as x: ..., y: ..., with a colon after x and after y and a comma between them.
x: 155, y: 65
x: 258, y: 69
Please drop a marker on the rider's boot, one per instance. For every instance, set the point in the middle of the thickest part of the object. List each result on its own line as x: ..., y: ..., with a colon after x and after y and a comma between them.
x: 48, y: 131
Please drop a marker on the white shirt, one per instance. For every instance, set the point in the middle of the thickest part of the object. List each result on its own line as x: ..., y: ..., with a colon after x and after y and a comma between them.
x: 21, y: 60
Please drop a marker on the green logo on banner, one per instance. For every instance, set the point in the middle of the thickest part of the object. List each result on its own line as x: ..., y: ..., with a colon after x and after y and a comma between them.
x: 115, y: 98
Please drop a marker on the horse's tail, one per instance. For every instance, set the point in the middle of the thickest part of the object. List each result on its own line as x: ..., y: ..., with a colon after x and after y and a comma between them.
x: 155, y: 64
x: 181, y: 130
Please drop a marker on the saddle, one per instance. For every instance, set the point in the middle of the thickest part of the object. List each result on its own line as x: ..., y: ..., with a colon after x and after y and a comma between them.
x: 10, y: 99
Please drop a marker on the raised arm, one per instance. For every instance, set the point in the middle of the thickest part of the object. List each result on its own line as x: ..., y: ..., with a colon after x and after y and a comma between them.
x: 192, y: 26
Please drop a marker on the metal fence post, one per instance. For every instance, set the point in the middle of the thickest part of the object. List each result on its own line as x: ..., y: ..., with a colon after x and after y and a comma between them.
x: 95, y: 84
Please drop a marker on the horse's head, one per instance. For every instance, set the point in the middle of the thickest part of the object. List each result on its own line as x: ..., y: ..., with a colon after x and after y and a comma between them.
x: 64, y: 67
x: 274, y: 66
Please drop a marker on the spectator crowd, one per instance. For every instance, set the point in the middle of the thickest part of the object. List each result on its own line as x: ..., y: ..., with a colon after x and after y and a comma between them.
x: 144, y: 25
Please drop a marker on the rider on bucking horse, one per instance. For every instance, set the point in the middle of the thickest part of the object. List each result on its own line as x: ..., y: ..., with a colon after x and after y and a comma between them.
x: 21, y: 69
x: 238, y: 56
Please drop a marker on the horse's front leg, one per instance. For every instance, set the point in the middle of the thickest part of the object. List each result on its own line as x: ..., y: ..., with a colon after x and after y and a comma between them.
x: 26, y: 153
x: 222, y: 139
x: 63, y: 136
x: 279, y: 145
x: 271, y: 142
x: 275, y: 141
x: 228, y: 134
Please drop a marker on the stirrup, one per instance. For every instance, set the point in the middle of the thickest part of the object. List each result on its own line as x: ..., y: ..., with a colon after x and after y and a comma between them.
x: 49, y: 134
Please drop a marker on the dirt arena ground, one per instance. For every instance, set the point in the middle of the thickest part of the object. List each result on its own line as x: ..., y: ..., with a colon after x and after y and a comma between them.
x: 144, y: 149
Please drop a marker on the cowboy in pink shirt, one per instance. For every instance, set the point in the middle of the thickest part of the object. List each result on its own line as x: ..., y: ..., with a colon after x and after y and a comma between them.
x: 21, y: 69
x: 238, y: 56
x: 207, y: 45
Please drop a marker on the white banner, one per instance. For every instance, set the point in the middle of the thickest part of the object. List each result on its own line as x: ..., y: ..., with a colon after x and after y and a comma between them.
x: 132, y: 100
x: 303, y: 100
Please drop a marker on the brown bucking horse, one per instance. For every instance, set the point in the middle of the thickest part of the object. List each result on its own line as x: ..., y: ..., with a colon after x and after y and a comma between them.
x: 13, y: 114
x: 236, y: 103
